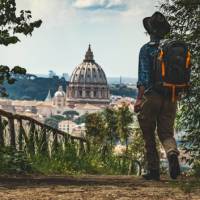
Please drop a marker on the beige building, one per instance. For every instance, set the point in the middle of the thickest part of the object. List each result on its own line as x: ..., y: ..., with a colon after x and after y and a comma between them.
x: 66, y: 126
x: 72, y: 128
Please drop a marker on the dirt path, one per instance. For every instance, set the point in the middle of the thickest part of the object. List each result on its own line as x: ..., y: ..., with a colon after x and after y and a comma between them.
x: 96, y: 188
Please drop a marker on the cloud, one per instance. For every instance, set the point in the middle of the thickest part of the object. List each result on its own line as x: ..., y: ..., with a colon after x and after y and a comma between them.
x: 101, y: 4
x: 55, y: 13
x: 52, y: 12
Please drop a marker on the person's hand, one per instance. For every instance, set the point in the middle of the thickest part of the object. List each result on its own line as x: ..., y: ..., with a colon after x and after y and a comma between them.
x: 137, y: 105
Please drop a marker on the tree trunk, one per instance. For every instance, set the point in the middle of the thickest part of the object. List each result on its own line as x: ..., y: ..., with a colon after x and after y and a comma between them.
x: 20, y: 135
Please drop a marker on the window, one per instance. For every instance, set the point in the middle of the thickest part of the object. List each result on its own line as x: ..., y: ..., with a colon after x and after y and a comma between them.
x: 102, y: 93
x: 88, y: 93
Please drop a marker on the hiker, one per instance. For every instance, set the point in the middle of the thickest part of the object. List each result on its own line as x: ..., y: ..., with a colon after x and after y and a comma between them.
x: 157, y: 108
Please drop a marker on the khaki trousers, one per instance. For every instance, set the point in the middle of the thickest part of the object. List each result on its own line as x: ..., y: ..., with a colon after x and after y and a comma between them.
x: 157, y: 113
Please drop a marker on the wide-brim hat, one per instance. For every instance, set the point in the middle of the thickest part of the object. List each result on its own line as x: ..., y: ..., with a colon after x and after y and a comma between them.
x: 156, y: 24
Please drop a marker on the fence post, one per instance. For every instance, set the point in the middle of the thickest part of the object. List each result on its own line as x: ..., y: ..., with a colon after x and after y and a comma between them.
x: 1, y: 134
x: 80, y: 150
x: 44, y: 142
x: 55, y: 142
x: 20, y: 135
x: 11, y: 128
x: 31, y: 142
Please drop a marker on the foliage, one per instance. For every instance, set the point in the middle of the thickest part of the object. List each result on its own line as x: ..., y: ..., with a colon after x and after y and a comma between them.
x: 42, y: 153
x: 184, y: 16
x: 6, y: 75
x: 70, y: 114
x: 95, y: 128
x: 32, y: 87
x: 81, y: 119
x: 68, y: 162
x: 125, y: 119
x: 137, y: 144
x: 34, y: 91
x: 11, y: 25
x: 54, y: 120
x: 111, y: 124
x: 196, y: 168
x: 13, y: 161
x: 123, y: 91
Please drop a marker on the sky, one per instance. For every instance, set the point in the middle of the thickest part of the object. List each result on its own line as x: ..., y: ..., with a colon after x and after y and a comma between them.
x: 113, y: 28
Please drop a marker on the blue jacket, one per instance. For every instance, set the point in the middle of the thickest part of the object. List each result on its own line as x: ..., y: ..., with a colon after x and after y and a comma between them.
x: 146, y: 59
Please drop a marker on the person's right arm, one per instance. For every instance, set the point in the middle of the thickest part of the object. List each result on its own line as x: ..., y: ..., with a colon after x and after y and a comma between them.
x: 143, y: 77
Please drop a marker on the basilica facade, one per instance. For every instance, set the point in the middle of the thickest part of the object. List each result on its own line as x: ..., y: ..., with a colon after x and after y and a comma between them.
x: 88, y: 85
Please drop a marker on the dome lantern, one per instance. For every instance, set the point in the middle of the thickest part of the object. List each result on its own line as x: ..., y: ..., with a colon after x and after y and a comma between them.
x: 89, y: 57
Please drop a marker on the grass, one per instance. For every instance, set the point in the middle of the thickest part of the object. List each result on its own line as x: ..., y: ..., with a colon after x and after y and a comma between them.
x: 186, y: 184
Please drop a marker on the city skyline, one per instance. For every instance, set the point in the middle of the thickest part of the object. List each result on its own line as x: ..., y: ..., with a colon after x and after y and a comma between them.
x: 112, y: 27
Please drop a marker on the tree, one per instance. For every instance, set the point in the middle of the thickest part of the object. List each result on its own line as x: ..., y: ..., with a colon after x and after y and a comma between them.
x: 70, y: 114
x: 11, y: 25
x: 111, y: 124
x: 81, y: 119
x: 125, y: 119
x: 6, y: 74
x: 184, y: 16
x: 95, y: 131
x: 95, y: 127
x: 137, y: 143
x: 54, y: 120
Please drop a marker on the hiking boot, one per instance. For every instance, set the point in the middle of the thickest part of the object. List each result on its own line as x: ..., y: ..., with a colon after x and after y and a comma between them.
x: 152, y: 175
x: 174, y: 167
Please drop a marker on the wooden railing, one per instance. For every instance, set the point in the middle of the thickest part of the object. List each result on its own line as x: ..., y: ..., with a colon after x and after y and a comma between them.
x: 25, y: 133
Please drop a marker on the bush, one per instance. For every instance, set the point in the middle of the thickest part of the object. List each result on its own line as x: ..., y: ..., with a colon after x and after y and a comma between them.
x: 14, y: 162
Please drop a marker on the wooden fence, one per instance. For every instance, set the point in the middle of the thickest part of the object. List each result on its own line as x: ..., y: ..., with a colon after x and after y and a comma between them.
x: 25, y: 133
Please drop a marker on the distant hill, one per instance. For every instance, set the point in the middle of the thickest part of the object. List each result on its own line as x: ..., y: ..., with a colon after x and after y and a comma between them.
x: 125, y: 80
x: 111, y: 80
x: 31, y: 87
x: 36, y: 88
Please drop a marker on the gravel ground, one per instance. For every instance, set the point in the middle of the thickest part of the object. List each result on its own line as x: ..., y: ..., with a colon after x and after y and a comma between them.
x: 94, y: 188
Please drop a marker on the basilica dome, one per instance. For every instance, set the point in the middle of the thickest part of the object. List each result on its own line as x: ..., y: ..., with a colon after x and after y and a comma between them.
x: 88, y: 82
x: 59, y: 97
x: 60, y: 92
